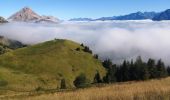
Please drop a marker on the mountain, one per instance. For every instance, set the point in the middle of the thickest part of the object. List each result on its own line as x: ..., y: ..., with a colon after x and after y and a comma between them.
x: 132, y: 16
x: 2, y: 20
x: 25, y: 14
x: 49, y: 19
x: 165, y: 15
x: 106, y: 18
x: 81, y: 19
x: 43, y: 66
x: 137, y: 16
x: 28, y: 15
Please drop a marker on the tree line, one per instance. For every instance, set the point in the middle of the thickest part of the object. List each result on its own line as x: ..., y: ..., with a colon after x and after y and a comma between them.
x: 135, y: 70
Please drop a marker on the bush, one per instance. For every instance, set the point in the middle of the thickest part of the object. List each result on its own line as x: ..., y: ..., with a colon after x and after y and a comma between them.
x: 81, y: 81
x: 77, y: 49
x: 82, y: 45
x: 39, y: 89
x: 96, y: 56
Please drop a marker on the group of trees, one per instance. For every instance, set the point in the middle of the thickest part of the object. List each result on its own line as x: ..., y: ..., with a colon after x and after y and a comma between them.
x: 127, y: 71
x: 85, y: 49
x: 138, y: 70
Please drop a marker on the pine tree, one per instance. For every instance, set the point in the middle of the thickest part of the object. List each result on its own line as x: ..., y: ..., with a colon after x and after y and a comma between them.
x: 125, y: 71
x: 161, y: 70
x: 111, y: 75
x: 107, y: 63
x: 168, y: 70
x: 63, y: 84
x: 145, y: 75
x: 97, y: 78
x: 152, y: 68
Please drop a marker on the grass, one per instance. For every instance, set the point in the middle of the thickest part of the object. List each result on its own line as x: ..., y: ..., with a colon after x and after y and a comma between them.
x: 44, y: 65
x: 147, y: 90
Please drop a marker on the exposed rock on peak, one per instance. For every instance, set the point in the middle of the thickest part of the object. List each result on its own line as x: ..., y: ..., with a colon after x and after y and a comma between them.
x: 28, y: 15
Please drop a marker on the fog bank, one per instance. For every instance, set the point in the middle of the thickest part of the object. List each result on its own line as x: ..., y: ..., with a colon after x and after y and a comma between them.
x: 117, y: 40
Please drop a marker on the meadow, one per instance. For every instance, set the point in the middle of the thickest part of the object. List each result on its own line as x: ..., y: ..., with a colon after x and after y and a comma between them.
x: 143, y: 90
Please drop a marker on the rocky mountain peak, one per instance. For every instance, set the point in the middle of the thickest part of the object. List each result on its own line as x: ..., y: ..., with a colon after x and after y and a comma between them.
x: 25, y: 14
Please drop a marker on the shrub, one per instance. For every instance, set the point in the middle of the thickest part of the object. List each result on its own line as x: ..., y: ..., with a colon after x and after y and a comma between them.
x: 96, y: 56
x: 81, y: 81
x: 39, y: 89
x: 77, y: 49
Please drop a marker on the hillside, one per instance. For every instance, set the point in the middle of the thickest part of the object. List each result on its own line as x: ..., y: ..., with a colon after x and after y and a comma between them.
x: 12, y: 44
x: 6, y: 45
x: 42, y: 66
x: 2, y: 20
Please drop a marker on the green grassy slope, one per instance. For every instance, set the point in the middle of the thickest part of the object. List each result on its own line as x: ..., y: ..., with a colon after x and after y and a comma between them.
x: 44, y: 65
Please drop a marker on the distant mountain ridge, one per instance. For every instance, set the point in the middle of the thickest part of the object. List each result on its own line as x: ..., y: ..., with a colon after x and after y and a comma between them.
x: 163, y: 16
x: 28, y: 15
x: 81, y: 19
x: 132, y: 16
x: 155, y: 16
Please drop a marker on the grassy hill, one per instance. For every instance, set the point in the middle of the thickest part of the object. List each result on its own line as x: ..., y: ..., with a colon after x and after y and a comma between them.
x: 44, y: 65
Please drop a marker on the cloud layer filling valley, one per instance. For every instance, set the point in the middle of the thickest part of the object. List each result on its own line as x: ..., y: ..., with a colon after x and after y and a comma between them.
x: 117, y: 40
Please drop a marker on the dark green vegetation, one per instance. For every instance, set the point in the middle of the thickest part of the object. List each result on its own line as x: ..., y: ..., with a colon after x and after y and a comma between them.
x: 134, y: 71
x: 81, y: 81
x: 51, y: 65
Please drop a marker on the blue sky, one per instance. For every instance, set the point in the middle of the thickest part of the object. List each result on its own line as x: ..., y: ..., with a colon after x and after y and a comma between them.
x: 66, y: 9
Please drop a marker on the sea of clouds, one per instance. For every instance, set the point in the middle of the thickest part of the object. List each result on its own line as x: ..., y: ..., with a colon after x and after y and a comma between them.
x: 117, y: 40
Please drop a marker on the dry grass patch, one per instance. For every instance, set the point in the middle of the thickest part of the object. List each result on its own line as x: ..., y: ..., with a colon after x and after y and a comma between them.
x: 148, y: 90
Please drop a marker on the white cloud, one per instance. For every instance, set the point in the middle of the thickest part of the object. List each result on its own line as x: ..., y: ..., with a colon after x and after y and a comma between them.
x: 117, y: 39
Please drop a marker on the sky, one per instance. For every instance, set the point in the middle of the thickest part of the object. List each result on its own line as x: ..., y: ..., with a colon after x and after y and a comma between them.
x: 66, y: 9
